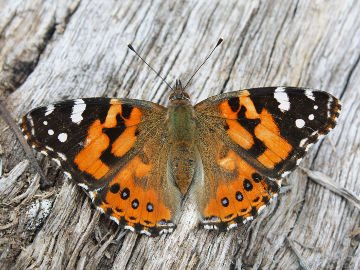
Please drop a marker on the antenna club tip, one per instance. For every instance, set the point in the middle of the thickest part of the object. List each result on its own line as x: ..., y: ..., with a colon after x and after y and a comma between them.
x: 130, y: 46
x: 219, y: 41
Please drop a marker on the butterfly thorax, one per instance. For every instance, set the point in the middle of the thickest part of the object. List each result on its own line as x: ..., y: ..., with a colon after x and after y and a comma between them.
x: 181, y: 138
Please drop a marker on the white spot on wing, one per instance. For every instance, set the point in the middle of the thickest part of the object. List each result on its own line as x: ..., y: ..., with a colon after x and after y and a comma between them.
x: 49, y: 110
x: 100, y: 209
x: 83, y: 186
x: 62, y: 137
x: 231, y: 226
x: 92, y: 195
x: 299, y: 123
x: 261, y: 209
x: 30, y: 120
x: 145, y: 232
x: 57, y: 161
x: 309, y: 94
x: 67, y: 174
x: 49, y: 148
x: 45, y: 123
x: 316, y: 107
x: 62, y: 156
x: 298, y: 161
x: 283, y: 99
x: 330, y: 101
x: 285, y: 174
x: 308, y: 146
x: 302, y: 142
x: 127, y: 227
x: 77, y: 111
x: 114, y: 219
x: 311, y: 117
x: 50, y: 132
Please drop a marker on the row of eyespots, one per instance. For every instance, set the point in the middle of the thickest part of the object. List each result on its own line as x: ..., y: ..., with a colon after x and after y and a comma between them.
x: 248, y: 186
x: 125, y: 194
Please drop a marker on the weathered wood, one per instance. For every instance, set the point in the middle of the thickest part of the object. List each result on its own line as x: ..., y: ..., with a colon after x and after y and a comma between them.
x: 53, y: 50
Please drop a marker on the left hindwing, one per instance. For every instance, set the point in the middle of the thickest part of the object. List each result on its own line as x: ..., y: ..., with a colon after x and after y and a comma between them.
x: 272, y: 128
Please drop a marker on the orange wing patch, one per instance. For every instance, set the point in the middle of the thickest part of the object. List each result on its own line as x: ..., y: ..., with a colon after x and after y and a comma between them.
x: 240, y: 199
x: 244, y: 125
x: 117, y: 132
x: 133, y: 205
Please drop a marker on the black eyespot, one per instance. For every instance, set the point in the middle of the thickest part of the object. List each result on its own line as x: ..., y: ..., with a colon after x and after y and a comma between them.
x: 239, y: 197
x: 149, y: 207
x: 247, y: 185
x: 135, y: 203
x: 225, y: 202
x: 115, y: 188
x: 257, y: 177
x: 125, y: 194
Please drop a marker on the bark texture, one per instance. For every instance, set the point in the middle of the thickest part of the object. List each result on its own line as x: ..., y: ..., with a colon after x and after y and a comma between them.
x: 54, y: 50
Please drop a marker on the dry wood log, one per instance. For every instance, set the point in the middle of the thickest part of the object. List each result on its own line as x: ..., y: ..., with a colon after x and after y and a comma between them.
x: 54, y: 50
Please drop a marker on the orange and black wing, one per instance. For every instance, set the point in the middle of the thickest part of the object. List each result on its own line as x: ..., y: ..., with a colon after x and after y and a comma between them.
x: 112, y: 148
x: 248, y: 140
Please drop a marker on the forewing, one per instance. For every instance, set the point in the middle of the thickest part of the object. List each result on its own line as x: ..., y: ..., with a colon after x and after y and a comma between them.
x: 272, y: 128
x: 112, y: 148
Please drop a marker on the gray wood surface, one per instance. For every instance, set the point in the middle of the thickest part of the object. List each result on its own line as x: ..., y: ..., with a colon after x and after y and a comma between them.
x: 54, y: 50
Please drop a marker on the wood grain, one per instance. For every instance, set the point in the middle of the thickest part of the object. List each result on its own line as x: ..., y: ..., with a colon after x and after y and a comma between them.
x: 54, y: 50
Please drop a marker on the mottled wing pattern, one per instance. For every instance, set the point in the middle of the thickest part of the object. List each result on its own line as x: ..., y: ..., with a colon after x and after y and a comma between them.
x: 112, y: 148
x: 257, y: 136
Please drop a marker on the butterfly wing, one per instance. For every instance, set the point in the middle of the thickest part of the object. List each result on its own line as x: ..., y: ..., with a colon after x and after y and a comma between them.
x: 256, y: 137
x: 112, y: 148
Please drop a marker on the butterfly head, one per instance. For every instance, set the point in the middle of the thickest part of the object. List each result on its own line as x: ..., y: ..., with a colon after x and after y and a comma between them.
x: 179, y: 92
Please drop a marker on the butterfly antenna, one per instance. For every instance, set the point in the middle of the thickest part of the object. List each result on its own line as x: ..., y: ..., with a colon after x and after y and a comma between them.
x: 156, y: 72
x: 217, y: 44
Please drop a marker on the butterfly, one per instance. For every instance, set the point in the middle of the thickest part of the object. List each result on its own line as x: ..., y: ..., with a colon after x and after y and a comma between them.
x: 137, y: 160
